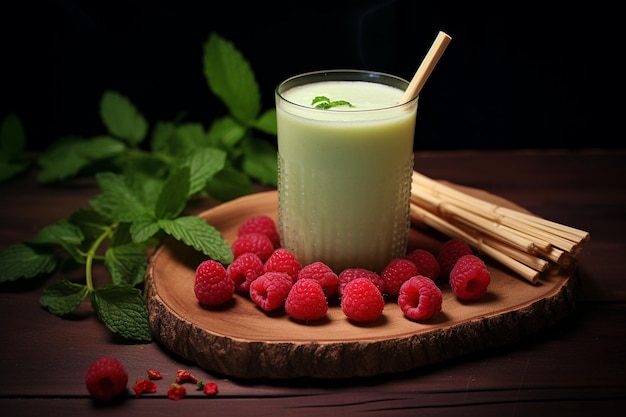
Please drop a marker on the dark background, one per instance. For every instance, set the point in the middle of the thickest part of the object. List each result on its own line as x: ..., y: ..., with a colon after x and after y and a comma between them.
x: 516, y: 74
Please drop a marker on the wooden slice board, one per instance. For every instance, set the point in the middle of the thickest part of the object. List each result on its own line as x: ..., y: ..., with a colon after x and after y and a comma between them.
x: 240, y: 340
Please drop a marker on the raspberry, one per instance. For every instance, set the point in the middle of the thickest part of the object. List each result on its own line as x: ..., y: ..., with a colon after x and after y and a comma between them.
x: 306, y: 300
x: 245, y: 269
x: 362, y: 301
x: 420, y: 298
x: 323, y: 274
x: 257, y: 243
x: 260, y: 224
x: 469, y: 278
x: 212, y: 284
x: 269, y: 291
x: 426, y: 263
x: 449, y: 253
x: 395, y: 273
x: 349, y: 274
x: 282, y: 260
x: 106, y: 378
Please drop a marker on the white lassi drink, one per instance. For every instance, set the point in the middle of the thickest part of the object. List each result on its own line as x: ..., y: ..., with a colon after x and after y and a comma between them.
x: 345, y: 172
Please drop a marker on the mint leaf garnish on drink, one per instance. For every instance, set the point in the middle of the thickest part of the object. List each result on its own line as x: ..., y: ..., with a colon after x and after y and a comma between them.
x: 324, y: 103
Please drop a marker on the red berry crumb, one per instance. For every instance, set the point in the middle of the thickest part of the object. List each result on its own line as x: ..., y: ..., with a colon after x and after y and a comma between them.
x: 395, y: 273
x: 210, y: 388
x: 449, y: 253
x: 282, y: 260
x: 469, y: 278
x: 144, y: 386
x: 362, y: 301
x: 426, y: 263
x: 420, y: 298
x: 257, y: 243
x: 260, y: 224
x: 106, y: 378
x: 152, y: 374
x: 176, y: 392
x: 323, y: 274
x: 306, y: 300
x: 183, y: 376
x: 270, y: 290
x: 349, y: 274
x: 245, y: 269
x: 212, y: 284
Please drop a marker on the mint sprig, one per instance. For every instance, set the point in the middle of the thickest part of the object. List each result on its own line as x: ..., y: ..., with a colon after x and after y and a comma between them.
x: 324, y: 103
x: 146, y: 176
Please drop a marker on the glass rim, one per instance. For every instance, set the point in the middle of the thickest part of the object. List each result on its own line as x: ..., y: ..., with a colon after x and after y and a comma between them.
x: 340, y: 75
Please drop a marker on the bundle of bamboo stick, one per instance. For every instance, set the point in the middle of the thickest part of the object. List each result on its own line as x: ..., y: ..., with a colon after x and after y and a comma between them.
x: 525, y: 243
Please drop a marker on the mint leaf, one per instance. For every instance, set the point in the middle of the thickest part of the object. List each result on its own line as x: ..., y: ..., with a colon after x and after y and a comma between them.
x: 203, y: 164
x: 200, y: 235
x: 69, y: 157
x: 323, y: 102
x: 64, y: 234
x: 228, y: 184
x: 12, y: 147
x: 189, y: 136
x: 63, y: 297
x: 267, y: 122
x: 143, y: 228
x: 24, y: 260
x: 173, y: 196
x: 260, y: 161
x: 230, y: 78
x: 123, y: 310
x: 90, y: 223
x: 122, y: 119
x: 226, y: 133
x: 118, y: 200
x: 126, y: 264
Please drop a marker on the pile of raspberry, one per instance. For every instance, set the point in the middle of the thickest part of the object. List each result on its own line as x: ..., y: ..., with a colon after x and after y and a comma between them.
x: 273, y: 278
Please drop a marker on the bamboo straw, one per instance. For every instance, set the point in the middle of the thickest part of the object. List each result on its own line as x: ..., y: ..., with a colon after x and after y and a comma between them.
x: 426, y: 67
x: 525, y: 243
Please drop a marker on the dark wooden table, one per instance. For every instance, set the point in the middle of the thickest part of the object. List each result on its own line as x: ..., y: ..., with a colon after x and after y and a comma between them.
x: 574, y: 368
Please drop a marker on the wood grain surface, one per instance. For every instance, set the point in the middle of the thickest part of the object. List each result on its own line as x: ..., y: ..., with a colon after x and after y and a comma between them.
x: 240, y: 340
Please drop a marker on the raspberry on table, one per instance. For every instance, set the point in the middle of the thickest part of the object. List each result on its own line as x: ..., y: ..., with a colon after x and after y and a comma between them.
x: 426, y: 263
x: 283, y: 260
x: 349, y: 274
x: 270, y: 290
x: 212, y: 284
x: 260, y: 224
x: 257, y: 243
x: 323, y: 274
x: 362, y: 301
x: 395, y: 273
x: 306, y: 301
x: 449, y: 253
x: 420, y: 298
x: 106, y: 378
x: 244, y: 269
x: 469, y: 278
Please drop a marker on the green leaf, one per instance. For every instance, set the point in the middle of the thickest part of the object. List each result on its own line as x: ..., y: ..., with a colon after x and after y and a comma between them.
x: 68, y: 157
x: 162, y: 135
x: 126, y: 264
x: 228, y: 184
x: 261, y: 161
x: 118, y: 201
x: 226, y: 133
x: 189, y: 136
x: 122, y: 119
x: 267, y: 122
x: 24, y: 260
x: 123, y: 310
x: 9, y: 170
x: 12, y: 138
x: 203, y: 164
x: 143, y: 228
x: 231, y: 78
x: 92, y: 225
x: 200, y: 235
x: 63, y: 297
x: 173, y: 196
x: 64, y: 234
